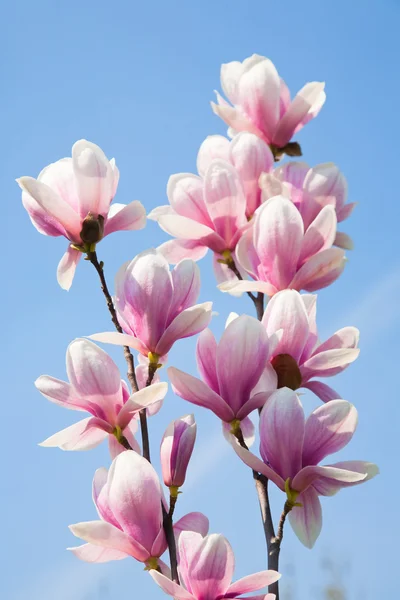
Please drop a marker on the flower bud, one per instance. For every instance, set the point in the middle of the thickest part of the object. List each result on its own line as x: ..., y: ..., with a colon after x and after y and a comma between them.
x: 176, y: 450
x: 92, y: 229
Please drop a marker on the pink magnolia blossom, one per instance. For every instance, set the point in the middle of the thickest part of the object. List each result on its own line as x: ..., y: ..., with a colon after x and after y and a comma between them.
x: 156, y: 307
x: 72, y: 197
x: 206, y: 569
x: 298, y: 357
x: 291, y: 448
x: 279, y: 253
x: 95, y: 386
x: 261, y: 101
x: 176, y: 449
x: 212, y: 210
x: 310, y: 190
x: 236, y: 374
x: 128, y: 499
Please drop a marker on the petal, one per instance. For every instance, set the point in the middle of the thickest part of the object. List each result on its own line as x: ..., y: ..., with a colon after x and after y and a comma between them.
x: 53, y: 205
x: 120, y: 339
x: 40, y: 219
x: 140, y: 400
x: 94, y: 178
x: 306, y: 521
x: 238, y: 287
x: 298, y: 110
x: 134, y: 496
x: 103, y: 534
x: 206, y: 356
x: 186, y: 284
x: 169, y: 587
x: 176, y: 250
x: 342, y: 240
x: 252, y: 582
x: 186, y: 196
x: 329, y: 487
x: 67, y: 267
x: 59, y: 392
x: 96, y: 554
x: 224, y: 198
x: 214, y: 146
x: 92, y: 372
x: 195, y: 391
x: 323, y: 362
x: 251, y: 157
x: 326, y: 180
x: 241, y: 357
x: 267, y: 382
x: 320, y: 235
x: 257, y: 464
x: 211, y: 567
x: 328, y: 475
x: 194, y: 521
x: 230, y: 76
x: 320, y: 270
x: 79, y: 436
x: 293, y: 172
x: 187, y: 323
x: 287, y: 311
x: 282, y: 432
x: 278, y: 235
x: 259, y: 94
x: 181, y: 227
x: 187, y: 544
x: 123, y: 217
x: 329, y: 428
x: 323, y: 391
x: 347, y: 337
x: 235, y: 119
x: 345, y: 211
x: 59, y: 176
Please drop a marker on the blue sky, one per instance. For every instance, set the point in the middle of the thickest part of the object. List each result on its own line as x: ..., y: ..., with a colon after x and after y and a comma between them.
x: 137, y: 78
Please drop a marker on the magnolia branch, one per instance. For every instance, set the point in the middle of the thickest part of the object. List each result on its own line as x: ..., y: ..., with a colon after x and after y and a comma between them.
x: 99, y: 266
x: 258, y: 300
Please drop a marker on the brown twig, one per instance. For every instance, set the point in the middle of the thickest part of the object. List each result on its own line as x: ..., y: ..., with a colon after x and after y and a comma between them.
x: 169, y: 534
x: 258, y: 300
x: 99, y: 266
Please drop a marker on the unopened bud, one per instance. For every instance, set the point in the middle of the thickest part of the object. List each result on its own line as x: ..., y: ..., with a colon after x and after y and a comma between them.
x: 92, y: 229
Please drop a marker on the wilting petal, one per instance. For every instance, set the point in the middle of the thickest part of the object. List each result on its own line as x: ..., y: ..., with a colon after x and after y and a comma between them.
x: 80, y: 436
x: 278, y: 235
x: 187, y: 323
x: 282, y: 432
x: 320, y: 234
x: 225, y: 199
x: 176, y: 250
x: 241, y: 356
x: 206, y: 355
x: 103, y: 534
x: 197, y: 392
x: 323, y: 391
x: 319, y: 271
x: 329, y: 428
x: 67, y: 267
x: 96, y: 554
x: 214, y: 146
x: 94, y: 178
x: 211, y: 567
x: 52, y: 204
x: 169, y: 587
x: 252, y: 583
x: 306, y: 520
x: 342, y: 240
x: 125, y: 217
x: 286, y: 311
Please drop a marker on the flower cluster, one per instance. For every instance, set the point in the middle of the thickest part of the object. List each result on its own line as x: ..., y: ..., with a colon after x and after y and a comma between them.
x: 273, y: 232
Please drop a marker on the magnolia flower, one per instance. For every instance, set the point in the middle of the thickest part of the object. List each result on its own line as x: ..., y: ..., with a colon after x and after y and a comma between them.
x: 95, y: 386
x: 291, y: 448
x: 261, y: 102
x: 155, y: 307
x: 72, y: 197
x: 298, y: 357
x: 206, y: 570
x: 176, y: 449
x: 310, y: 190
x: 279, y: 253
x: 128, y: 499
x: 236, y: 374
x: 212, y: 210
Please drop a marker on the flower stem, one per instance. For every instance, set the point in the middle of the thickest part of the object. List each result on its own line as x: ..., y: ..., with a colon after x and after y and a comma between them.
x: 99, y: 266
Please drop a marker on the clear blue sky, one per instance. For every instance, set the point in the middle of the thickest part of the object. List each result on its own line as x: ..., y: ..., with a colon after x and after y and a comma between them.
x: 137, y: 78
